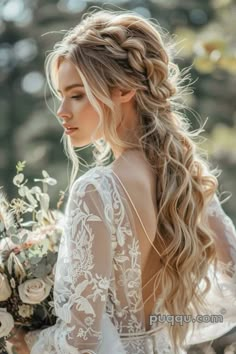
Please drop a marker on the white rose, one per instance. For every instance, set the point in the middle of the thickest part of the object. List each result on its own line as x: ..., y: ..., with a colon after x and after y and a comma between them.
x: 6, y: 322
x: 25, y: 310
x: 34, y: 291
x: 5, y: 290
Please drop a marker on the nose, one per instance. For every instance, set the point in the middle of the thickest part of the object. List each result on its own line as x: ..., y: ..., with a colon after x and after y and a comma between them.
x: 63, y: 113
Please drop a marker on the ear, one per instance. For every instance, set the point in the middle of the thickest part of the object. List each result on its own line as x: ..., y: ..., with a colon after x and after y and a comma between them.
x: 123, y: 96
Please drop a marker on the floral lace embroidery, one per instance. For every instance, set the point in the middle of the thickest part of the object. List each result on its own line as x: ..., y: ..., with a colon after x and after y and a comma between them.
x: 99, y: 271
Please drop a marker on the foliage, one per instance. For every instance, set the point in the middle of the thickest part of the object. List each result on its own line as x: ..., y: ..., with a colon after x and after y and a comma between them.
x: 28, y: 254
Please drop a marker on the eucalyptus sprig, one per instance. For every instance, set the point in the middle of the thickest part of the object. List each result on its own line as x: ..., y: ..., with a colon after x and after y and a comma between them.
x: 20, y: 166
x: 34, y: 200
x: 28, y: 254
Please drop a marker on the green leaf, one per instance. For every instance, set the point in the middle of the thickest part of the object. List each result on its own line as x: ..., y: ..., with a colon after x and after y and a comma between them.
x: 51, y: 181
x: 45, y: 174
x: 44, y: 201
x: 28, y: 223
x: 18, y: 179
x: 22, y: 191
x: 20, y: 166
x: 48, y: 268
x: 36, y: 190
x: 35, y: 260
x: 40, y: 271
x: 12, y: 230
x: 38, y: 180
x: 30, y: 198
x: 24, y: 238
x: 39, y: 216
x: 44, y: 246
x: 45, y: 186
x: 51, y: 258
x: 21, y: 257
x: 40, y: 312
x: 15, y: 240
x: 2, y: 226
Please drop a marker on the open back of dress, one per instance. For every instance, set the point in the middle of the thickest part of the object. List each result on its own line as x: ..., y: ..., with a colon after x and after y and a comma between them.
x: 98, y: 283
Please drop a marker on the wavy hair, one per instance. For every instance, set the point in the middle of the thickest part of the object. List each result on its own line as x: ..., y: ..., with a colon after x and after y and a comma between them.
x: 124, y: 50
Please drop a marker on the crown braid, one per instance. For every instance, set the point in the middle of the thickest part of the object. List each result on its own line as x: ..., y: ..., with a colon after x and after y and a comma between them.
x: 130, y: 49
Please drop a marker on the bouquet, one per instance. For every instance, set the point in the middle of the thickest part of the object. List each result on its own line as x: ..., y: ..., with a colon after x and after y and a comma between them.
x: 29, y: 240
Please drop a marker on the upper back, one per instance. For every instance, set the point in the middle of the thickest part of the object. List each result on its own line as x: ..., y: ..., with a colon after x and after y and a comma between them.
x: 139, y: 182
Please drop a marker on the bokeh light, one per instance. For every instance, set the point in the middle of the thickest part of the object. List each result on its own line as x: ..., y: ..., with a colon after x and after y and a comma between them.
x: 32, y: 82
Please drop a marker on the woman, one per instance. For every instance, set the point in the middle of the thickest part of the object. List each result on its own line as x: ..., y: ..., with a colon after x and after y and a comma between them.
x: 144, y: 235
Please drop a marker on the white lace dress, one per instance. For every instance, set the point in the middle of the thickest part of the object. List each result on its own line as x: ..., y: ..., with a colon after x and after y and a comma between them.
x: 98, y: 286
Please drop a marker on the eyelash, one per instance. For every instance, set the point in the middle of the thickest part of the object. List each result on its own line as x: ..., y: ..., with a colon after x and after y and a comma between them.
x: 77, y: 97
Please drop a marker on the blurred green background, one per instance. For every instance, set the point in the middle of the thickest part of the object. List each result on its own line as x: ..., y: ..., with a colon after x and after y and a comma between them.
x: 29, y: 131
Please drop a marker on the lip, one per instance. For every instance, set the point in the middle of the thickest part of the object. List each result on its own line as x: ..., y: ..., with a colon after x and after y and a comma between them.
x: 70, y: 131
x: 67, y: 126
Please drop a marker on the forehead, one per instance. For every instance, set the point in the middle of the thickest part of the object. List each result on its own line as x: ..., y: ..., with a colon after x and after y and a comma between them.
x: 67, y: 73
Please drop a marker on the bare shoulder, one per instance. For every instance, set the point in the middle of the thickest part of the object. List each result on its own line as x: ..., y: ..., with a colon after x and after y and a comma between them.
x: 133, y: 169
x: 139, y: 180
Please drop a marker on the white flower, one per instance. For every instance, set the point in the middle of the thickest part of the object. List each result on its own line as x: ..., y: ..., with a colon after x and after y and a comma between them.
x: 81, y: 333
x: 25, y: 310
x: 34, y: 291
x: 6, y: 322
x: 132, y: 277
x: 89, y: 321
x: 104, y: 283
x: 5, y: 290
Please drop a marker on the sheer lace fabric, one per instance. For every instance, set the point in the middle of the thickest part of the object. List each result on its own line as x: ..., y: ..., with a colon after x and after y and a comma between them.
x: 98, y: 285
x: 221, y: 299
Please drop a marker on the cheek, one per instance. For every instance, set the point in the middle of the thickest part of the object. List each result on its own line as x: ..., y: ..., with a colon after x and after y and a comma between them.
x: 88, y: 113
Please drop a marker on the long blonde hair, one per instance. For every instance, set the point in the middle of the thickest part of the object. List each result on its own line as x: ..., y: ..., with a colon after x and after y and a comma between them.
x: 122, y: 49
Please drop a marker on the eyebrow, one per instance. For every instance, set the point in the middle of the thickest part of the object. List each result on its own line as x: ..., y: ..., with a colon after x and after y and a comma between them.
x: 68, y: 88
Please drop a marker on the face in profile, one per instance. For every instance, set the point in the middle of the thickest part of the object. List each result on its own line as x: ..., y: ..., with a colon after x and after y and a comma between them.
x: 78, y: 116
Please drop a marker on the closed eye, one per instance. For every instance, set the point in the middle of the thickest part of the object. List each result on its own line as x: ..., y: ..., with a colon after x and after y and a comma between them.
x: 77, y: 97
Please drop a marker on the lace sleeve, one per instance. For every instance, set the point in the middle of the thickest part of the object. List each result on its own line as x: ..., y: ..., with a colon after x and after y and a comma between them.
x: 221, y: 299
x: 225, y: 240
x: 82, y: 274
x: 31, y: 337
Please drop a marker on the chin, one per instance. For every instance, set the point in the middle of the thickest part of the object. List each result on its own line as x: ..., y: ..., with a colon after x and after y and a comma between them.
x: 77, y: 144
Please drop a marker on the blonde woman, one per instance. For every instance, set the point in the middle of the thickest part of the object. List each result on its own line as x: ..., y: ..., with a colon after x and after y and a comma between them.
x: 146, y: 234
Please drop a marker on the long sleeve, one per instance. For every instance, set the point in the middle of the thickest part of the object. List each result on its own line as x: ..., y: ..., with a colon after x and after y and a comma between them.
x: 82, y: 274
x: 225, y: 239
x: 221, y: 298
